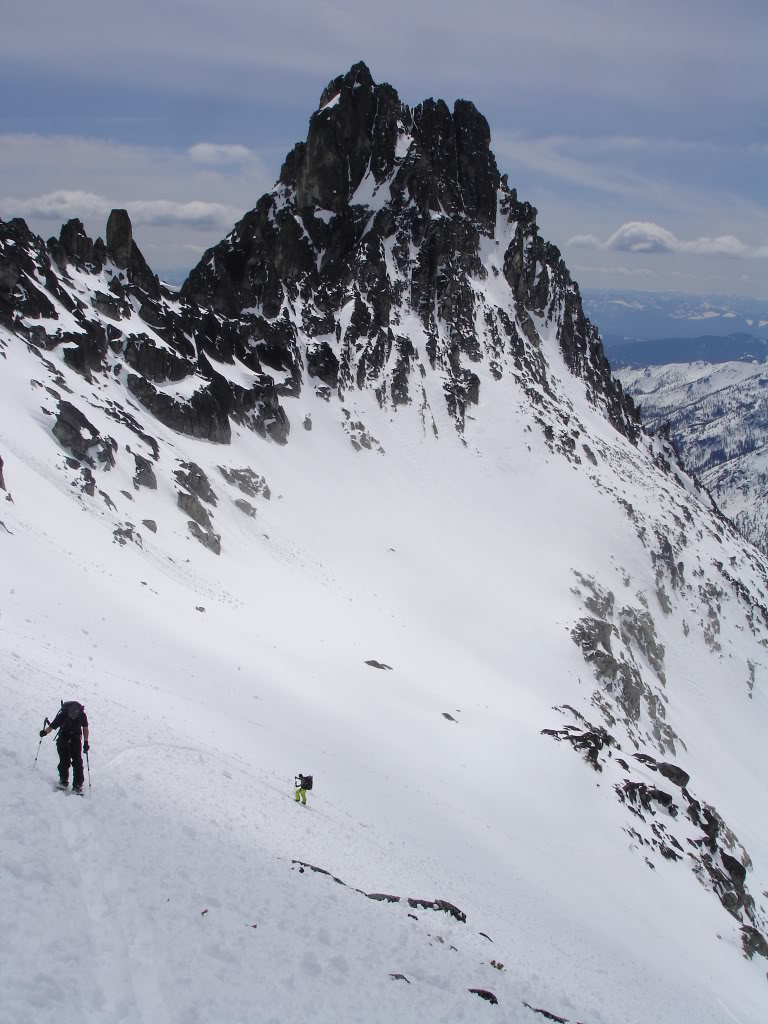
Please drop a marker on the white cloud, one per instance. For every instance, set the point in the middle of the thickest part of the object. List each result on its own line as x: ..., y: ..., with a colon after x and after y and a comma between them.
x: 63, y: 205
x: 60, y: 205
x: 178, y: 205
x: 626, y: 271
x: 163, y: 212
x: 647, y: 237
x: 219, y: 155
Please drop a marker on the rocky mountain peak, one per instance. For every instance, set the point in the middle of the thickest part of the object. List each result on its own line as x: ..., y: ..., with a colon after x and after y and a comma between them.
x: 75, y: 242
x: 391, y: 211
x: 391, y: 256
x: 353, y: 128
x: 357, y: 129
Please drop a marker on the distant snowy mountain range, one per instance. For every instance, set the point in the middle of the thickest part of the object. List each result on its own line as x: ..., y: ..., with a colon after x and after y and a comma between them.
x: 717, y: 415
x: 707, y: 348
x: 625, y: 317
x: 708, y: 388
x: 364, y: 499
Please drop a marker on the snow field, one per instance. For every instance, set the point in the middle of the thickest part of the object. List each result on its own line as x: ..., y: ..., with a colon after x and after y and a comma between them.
x: 456, y: 570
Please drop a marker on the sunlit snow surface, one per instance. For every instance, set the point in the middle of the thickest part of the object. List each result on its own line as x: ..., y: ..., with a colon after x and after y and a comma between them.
x: 211, y: 681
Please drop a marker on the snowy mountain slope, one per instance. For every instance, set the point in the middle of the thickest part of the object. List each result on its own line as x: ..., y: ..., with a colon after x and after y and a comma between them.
x: 718, y: 417
x: 553, y: 594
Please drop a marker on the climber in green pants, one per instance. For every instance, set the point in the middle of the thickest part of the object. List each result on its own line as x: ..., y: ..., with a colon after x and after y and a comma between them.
x: 302, y: 783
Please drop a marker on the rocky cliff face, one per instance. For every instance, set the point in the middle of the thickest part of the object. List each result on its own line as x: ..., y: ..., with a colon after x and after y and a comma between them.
x: 102, y: 306
x: 390, y: 249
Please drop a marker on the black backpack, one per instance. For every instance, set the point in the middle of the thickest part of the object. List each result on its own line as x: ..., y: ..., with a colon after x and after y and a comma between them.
x: 307, y: 782
x: 72, y: 709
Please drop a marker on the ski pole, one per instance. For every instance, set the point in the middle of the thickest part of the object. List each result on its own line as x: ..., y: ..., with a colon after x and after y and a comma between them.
x: 46, y: 722
x: 88, y: 763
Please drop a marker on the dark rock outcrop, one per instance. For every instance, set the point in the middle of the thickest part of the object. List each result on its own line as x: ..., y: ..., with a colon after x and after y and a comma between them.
x: 546, y: 1014
x: 196, y: 482
x: 74, y: 431
x: 209, y: 539
x: 672, y: 772
x: 443, y: 905
x: 120, y: 238
x: 203, y: 415
x: 753, y: 942
x: 322, y: 362
x: 191, y: 506
x: 157, y: 364
x: 247, y: 481
x: 589, y: 741
x: 145, y: 474
x: 127, y: 256
x: 75, y: 242
x: 338, y: 148
x: 484, y: 994
x: 29, y: 284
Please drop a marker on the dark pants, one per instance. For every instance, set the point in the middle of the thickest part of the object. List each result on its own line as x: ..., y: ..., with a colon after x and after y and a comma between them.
x: 68, y: 746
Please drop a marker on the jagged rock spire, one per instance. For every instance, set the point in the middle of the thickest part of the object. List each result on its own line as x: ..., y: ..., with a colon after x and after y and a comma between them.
x: 120, y: 238
x: 383, y: 209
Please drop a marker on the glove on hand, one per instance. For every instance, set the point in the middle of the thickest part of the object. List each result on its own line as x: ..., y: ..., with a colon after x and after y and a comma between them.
x: 86, y: 746
x: 42, y: 733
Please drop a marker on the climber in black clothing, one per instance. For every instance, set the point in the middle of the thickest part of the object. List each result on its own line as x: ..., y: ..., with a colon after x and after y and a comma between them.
x: 71, y: 721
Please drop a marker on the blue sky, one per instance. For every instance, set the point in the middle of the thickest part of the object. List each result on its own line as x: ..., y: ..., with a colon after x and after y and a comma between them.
x: 638, y: 130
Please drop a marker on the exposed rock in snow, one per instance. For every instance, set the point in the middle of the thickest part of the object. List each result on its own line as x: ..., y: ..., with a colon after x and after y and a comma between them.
x: 247, y: 481
x: 206, y: 536
x: 74, y: 431
x: 145, y: 474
